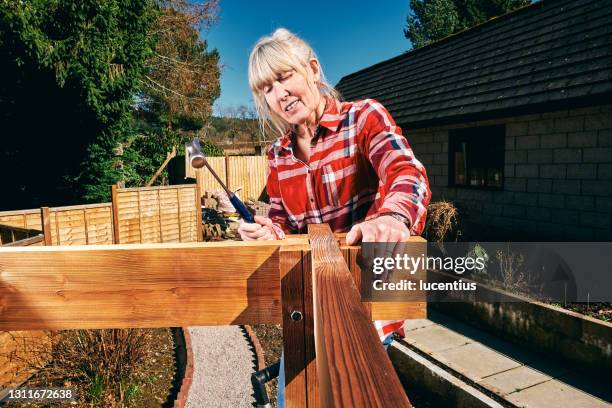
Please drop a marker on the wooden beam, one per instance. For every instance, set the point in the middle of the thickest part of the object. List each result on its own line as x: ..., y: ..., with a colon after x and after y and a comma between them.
x: 352, y: 366
x: 414, y: 309
x: 169, y: 157
x: 153, y: 285
x: 46, y: 225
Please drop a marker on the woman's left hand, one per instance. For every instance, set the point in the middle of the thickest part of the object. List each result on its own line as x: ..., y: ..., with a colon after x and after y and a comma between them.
x: 381, y: 229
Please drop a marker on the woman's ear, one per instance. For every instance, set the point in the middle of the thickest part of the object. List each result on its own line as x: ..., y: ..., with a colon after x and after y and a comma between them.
x: 316, y: 69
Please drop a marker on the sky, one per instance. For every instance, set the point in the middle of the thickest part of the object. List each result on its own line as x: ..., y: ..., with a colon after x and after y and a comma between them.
x: 346, y: 35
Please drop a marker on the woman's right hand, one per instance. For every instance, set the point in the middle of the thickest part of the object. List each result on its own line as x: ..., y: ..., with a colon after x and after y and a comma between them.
x: 260, y: 230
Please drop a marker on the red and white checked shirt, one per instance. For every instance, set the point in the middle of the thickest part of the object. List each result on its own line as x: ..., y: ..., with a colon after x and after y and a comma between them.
x: 360, y: 167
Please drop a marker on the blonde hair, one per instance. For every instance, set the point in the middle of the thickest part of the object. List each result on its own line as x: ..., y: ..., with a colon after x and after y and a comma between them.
x: 272, y: 56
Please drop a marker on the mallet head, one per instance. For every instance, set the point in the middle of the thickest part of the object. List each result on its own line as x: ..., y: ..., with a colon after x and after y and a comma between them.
x: 196, y: 157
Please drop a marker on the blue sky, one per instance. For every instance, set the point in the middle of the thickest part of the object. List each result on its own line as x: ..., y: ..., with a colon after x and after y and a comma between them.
x: 346, y: 35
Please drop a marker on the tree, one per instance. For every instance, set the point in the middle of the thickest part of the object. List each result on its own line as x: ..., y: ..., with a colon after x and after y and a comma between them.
x: 70, y: 71
x: 184, y: 76
x: 431, y: 20
x: 176, y: 93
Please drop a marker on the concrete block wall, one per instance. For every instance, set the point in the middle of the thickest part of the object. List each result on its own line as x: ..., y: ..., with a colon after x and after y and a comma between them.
x: 557, y: 174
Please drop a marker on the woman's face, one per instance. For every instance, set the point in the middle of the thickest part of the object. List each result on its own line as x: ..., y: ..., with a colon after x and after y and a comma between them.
x: 290, y: 97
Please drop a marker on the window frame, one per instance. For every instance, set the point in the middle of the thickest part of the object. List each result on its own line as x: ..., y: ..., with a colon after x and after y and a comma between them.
x: 493, y: 134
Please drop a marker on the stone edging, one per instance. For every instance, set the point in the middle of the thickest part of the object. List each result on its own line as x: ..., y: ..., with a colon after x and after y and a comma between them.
x: 181, y: 397
x: 259, y: 353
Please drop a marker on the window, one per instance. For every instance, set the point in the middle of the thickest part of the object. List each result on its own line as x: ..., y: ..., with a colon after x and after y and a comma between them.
x: 476, y: 157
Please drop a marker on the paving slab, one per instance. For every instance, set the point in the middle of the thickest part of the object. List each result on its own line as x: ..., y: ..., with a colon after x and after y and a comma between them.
x: 522, y: 378
x: 414, y: 324
x: 514, y: 380
x: 554, y: 393
x: 475, y: 361
x: 435, y: 338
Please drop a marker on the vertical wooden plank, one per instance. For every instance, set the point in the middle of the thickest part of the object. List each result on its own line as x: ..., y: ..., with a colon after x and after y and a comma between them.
x: 139, y: 215
x: 57, y: 228
x: 86, y: 228
x: 115, y: 205
x: 227, y: 172
x: 46, y: 224
x: 198, y: 202
x: 312, y: 381
x: 292, y: 296
x: 178, y: 214
x: 159, y: 218
x: 353, y: 367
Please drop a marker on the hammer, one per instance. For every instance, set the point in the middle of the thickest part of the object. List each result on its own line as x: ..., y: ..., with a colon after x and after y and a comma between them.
x: 198, y: 160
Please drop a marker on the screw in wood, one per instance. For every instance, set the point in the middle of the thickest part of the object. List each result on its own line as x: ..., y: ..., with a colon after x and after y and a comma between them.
x: 296, y: 316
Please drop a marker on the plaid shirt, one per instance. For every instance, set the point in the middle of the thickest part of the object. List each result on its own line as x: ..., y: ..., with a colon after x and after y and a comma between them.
x: 360, y: 167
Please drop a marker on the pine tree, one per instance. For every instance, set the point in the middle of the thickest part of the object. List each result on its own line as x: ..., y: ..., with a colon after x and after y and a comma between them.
x: 431, y: 20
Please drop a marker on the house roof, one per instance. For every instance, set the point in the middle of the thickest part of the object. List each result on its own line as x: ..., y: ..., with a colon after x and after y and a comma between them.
x: 550, y: 55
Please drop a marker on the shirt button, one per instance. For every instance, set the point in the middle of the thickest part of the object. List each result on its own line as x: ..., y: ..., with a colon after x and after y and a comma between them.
x: 312, y: 200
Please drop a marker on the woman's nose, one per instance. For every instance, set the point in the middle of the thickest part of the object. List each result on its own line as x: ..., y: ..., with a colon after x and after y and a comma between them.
x: 280, y: 91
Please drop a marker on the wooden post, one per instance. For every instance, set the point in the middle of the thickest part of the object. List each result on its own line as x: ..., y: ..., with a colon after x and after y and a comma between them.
x: 292, y: 297
x: 344, y: 335
x: 198, y: 202
x: 46, y: 225
x: 115, y: 206
x: 227, y: 172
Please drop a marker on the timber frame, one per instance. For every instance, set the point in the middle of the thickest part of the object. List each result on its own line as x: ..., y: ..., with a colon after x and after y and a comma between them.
x: 307, y: 283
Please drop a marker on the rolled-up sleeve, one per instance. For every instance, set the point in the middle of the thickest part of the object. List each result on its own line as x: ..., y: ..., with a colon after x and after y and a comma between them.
x: 404, y: 180
x: 277, y: 212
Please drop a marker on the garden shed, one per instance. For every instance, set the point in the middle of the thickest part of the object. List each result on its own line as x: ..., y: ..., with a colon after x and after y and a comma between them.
x: 512, y: 119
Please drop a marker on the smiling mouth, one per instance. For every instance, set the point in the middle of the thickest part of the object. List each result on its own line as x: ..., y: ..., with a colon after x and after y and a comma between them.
x: 291, y: 106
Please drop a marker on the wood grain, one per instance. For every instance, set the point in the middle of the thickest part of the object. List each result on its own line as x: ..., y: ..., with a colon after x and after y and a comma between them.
x: 157, y: 214
x: 346, y: 342
x: 416, y: 308
x: 292, y: 295
x: 125, y: 286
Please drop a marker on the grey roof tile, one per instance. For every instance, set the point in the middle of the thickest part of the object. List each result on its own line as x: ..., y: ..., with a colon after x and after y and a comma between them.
x: 553, y: 51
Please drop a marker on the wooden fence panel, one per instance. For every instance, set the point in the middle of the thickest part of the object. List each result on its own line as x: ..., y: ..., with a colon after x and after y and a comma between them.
x: 29, y: 219
x: 157, y: 214
x: 89, y: 224
x: 208, y: 181
x: 169, y: 215
x: 248, y: 172
x: 72, y: 225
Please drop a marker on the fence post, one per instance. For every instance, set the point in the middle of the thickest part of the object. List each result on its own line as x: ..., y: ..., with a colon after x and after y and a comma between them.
x: 292, y: 296
x: 46, y: 225
x: 114, y: 204
x: 198, y: 202
x: 227, y: 172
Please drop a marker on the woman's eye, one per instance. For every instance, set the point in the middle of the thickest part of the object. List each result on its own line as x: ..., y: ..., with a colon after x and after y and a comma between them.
x: 267, y: 89
x: 286, y: 76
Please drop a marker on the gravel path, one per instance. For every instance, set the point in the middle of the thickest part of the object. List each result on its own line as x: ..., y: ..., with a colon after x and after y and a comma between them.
x: 223, y: 364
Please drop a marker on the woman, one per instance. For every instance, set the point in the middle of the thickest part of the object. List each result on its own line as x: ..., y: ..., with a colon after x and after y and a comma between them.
x: 342, y: 163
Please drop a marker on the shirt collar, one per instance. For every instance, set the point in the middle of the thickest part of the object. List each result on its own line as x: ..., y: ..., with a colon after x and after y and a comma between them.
x: 331, y: 119
x: 332, y: 116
